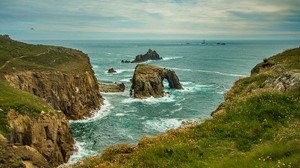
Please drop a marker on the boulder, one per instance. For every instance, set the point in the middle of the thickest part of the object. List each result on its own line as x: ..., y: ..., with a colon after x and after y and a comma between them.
x: 147, y: 81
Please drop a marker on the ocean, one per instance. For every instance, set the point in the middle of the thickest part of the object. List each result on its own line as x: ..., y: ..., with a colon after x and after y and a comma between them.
x: 206, y: 72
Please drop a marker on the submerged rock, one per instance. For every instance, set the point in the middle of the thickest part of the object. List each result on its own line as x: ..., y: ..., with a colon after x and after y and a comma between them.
x: 150, y: 55
x: 147, y: 81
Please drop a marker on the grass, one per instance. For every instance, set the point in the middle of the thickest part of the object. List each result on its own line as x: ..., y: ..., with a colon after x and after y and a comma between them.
x: 23, y: 102
x: 24, y: 56
x: 260, y: 128
x: 17, y: 56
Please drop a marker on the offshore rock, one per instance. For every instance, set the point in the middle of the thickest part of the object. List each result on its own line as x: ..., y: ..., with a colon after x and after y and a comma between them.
x: 112, y: 87
x: 150, y: 55
x: 76, y: 95
x: 47, y: 137
x: 147, y: 81
x: 111, y: 70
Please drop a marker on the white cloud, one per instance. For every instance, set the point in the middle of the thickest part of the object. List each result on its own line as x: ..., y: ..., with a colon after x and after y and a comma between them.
x: 156, y: 16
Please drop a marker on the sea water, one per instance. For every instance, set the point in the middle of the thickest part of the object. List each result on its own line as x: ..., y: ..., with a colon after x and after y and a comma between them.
x: 206, y: 72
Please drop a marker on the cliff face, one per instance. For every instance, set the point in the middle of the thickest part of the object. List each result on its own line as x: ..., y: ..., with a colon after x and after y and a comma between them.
x: 75, y: 95
x: 147, y: 81
x: 49, y: 134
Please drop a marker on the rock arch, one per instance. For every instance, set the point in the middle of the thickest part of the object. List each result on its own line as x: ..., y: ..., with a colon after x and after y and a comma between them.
x: 147, y: 81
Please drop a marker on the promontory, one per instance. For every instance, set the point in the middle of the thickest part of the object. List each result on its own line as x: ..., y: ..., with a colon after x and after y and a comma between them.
x: 41, y: 88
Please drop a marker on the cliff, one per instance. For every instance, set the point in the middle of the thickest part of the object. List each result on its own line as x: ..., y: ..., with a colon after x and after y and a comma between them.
x: 41, y: 87
x: 256, y: 126
x: 76, y: 95
x: 147, y: 81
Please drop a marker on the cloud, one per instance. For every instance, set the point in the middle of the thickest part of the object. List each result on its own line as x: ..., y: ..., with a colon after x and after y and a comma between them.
x: 186, y: 17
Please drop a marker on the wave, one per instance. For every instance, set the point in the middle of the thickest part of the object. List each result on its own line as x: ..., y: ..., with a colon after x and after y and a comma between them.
x: 206, y: 71
x: 150, y: 100
x: 104, y: 111
x: 79, y: 152
x: 170, y: 58
x: 125, y: 80
x: 162, y: 125
x: 119, y: 71
x: 191, y: 87
x: 178, y: 109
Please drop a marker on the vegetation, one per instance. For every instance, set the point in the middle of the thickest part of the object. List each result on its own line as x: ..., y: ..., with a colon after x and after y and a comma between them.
x: 23, y: 102
x: 258, y: 127
x: 17, y: 56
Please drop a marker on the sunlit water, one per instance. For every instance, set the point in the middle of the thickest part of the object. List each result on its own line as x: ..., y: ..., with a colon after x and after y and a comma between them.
x: 205, y: 71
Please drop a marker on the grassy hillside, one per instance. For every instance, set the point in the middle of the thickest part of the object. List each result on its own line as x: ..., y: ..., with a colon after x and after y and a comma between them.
x: 256, y: 126
x: 17, y: 56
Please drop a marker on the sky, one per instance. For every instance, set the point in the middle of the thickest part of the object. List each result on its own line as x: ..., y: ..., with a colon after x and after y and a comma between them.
x: 150, y: 19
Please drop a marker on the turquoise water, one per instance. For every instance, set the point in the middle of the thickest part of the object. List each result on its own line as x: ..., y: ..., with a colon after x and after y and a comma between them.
x: 205, y: 71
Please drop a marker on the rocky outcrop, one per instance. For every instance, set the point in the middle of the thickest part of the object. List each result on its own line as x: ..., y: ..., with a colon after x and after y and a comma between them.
x: 150, y: 55
x: 47, y: 135
x: 112, y: 87
x: 76, y: 95
x: 111, y: 70
x: 284, y: 82
x: 147, y: 81
x: 263, y: 65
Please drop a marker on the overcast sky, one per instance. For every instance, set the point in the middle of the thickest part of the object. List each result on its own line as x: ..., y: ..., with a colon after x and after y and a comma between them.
x: 150, y: 19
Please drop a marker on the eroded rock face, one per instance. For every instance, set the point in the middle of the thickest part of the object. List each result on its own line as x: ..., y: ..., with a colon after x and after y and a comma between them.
x: 76, y: 95
x: 49, y: 134
x: 284, y: 82
x: 147, y: 81
x: 150, y: 55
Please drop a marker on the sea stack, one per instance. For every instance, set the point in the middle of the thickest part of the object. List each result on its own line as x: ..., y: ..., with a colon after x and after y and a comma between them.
x: 147, y: 81
x: 150, y: 55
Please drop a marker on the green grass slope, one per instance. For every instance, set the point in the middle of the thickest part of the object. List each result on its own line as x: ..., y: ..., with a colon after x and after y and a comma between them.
x: 17, y: 56
x: 256, y: 127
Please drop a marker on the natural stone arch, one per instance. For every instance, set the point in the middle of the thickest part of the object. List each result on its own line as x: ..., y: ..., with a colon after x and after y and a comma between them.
x: 147, y: 81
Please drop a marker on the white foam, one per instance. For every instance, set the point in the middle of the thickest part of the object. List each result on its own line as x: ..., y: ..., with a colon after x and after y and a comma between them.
x: 104, y: 111
x: 95, y: 66
x: 150, y: 100
x: 178, y: 109
x: 80, y: 152
x: 206, y: 71
x: 125, y: 80
x: 120, y: 114
x: 162, y: 125
x: 170, y: 58
x: 119, y: 71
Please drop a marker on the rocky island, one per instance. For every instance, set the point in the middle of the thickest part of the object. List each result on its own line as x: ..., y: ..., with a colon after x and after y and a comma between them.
x: 150, y: 55
x: 41, y: 87
x: 147, y: 81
